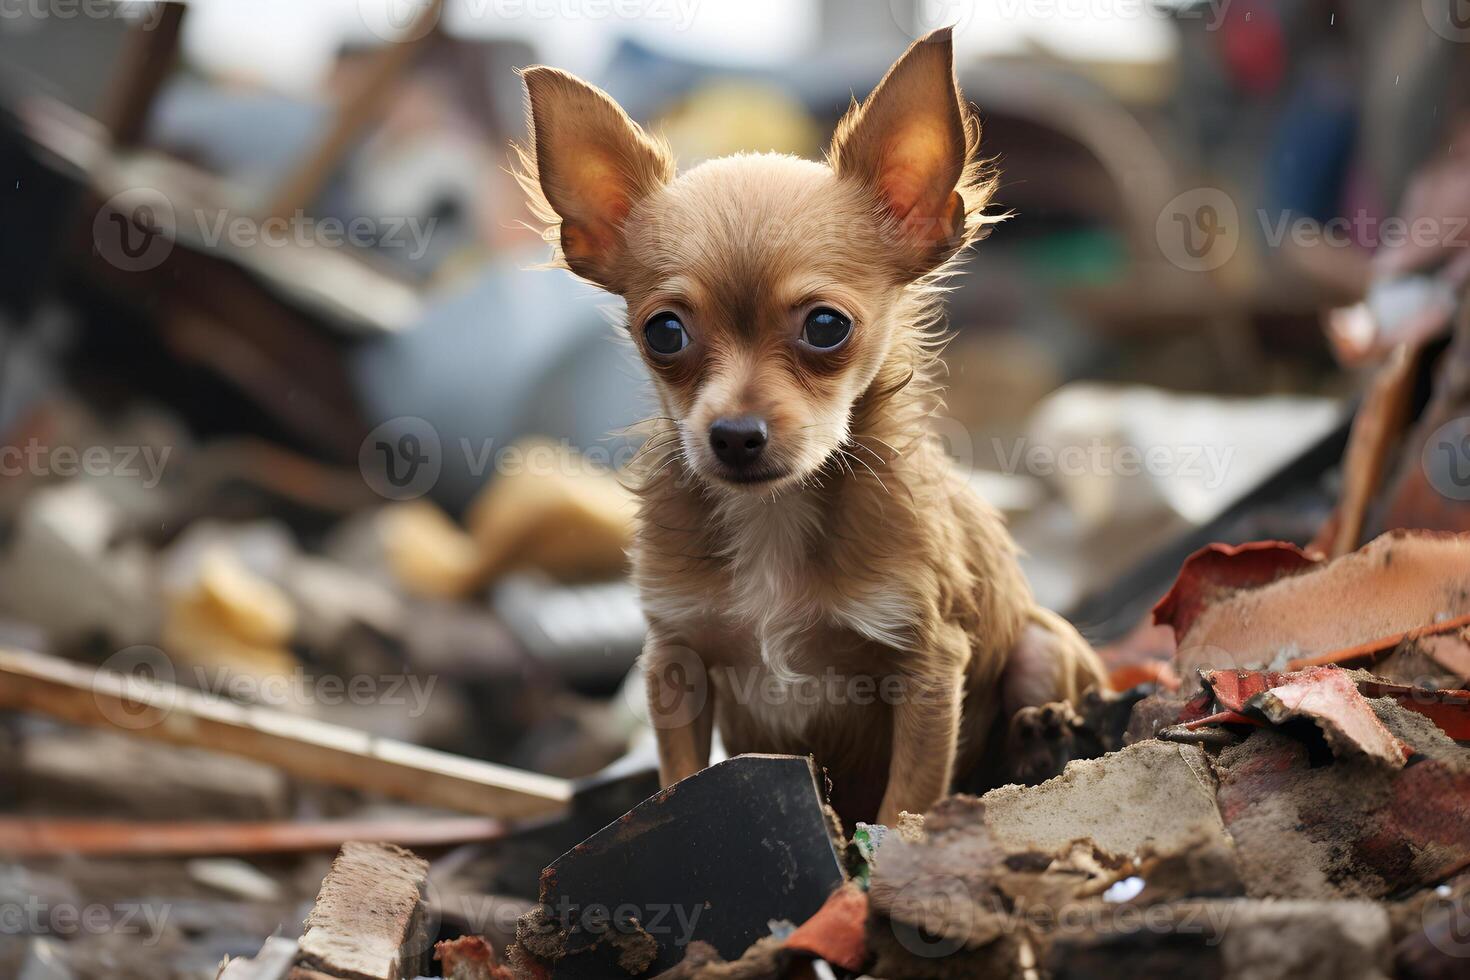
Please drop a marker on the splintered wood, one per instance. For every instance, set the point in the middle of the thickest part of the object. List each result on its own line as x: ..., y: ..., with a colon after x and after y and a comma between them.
x: 368, y: 921
x: 303, y: 747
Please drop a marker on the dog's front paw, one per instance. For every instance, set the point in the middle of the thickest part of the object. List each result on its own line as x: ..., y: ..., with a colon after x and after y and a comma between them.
x: 1044, y: 739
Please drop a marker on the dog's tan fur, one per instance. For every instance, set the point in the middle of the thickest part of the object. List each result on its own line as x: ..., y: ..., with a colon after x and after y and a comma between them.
x: 864, y: 606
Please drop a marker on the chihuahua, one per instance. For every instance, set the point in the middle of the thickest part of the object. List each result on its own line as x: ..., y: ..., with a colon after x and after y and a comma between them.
x: 816, y: 577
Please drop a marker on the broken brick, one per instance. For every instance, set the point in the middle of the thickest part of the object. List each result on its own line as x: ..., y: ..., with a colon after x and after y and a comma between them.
x: 836, y: 932
x: 368, y: 921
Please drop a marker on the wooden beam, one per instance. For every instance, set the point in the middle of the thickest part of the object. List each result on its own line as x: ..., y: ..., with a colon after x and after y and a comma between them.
x: 360, y: 107
x: 302, y: 747
x: 30, y: 837
x: 147, y: 59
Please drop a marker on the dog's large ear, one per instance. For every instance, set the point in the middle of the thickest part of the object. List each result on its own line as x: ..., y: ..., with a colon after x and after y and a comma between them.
x: 911, y: 142
x: 587, y: 164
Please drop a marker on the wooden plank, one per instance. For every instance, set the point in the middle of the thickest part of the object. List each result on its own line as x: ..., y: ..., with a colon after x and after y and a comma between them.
x: 25, y: 837
x: 303, y: 747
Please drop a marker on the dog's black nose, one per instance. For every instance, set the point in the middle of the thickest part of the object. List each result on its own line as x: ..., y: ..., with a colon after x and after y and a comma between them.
x: 739, y: 441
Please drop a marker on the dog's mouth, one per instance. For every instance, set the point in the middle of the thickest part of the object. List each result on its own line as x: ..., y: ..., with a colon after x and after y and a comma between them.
x: 763, y: 476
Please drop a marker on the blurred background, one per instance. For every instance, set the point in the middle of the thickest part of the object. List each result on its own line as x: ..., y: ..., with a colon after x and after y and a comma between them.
x: 283, y: 393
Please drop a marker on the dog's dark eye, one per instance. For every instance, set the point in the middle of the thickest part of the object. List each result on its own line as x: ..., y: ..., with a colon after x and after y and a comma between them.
x: 665, y: 334
x: 825, y: 328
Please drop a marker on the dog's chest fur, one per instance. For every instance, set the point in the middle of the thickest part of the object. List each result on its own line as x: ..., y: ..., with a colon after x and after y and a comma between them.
x: 770, y: 611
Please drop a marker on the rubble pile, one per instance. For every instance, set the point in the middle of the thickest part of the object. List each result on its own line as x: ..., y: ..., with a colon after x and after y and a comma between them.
x: 1274, y: 786
x: 1284, y: 796
x: 1280, y: 815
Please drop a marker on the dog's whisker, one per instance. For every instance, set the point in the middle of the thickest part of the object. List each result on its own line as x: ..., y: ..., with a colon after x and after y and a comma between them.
x: 865, y: 466
x: 871, y: 452
x: 884, y: 443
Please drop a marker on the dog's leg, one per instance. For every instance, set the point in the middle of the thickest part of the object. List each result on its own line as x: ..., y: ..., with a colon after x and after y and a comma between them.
x: 1050, y: 662
x: 926, y: 732
x: 1050, y: 668
x: 680, y: 708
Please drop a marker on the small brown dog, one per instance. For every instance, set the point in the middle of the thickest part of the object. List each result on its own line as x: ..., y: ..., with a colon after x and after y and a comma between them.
x: 814, y: 575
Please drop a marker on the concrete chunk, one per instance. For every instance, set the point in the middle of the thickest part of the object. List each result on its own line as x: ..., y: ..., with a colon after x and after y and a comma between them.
x: 1153, y: 793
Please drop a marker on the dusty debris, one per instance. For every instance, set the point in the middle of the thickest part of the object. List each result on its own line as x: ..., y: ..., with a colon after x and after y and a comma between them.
x: 1240, y: 939
x: 1432, y: 943
x: 1203, y: 868
x: 1149, y: 794
x: 1338, y: 784
x: 1350, y: 829
x: 961, y: 903
x: 470, y: 958
x: 368, y: 921
x: 762, y: 961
